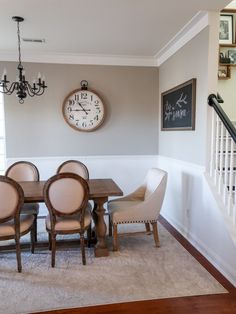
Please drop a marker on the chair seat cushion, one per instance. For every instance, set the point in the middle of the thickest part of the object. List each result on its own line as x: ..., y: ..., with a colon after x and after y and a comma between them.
x: 119, y: 211
x: 30, y: 208
x: 70, y: 222
x: 8, y: 229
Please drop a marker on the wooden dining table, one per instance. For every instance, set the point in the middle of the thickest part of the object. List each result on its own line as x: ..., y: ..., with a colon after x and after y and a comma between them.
x: 99, y: 191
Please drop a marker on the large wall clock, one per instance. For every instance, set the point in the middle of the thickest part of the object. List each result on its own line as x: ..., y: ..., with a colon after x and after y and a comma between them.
x: 83, y: 109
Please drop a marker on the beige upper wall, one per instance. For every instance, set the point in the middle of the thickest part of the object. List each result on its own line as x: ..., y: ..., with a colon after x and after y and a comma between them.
x: 37, y: 127
x: 226, y: 89
x: 191, y: 61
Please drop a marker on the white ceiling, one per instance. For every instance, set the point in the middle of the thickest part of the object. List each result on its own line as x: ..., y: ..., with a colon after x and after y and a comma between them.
x: 131, y: 28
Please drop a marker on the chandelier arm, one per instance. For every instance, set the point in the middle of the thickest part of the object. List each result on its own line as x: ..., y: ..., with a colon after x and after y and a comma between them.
x: 34, y: 92
x: 10, y: 90
x: 29, y: 89
x: 39, y: 91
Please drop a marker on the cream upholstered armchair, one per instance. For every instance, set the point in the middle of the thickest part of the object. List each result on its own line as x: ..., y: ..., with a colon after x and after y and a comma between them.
x: 141, y: 206
x: 66, y: 197
x: 12, y: 224
x: 25, y: 171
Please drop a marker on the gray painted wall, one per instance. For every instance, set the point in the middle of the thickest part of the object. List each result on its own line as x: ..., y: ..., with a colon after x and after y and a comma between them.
x: 37, y: 127
x: 189, y: 62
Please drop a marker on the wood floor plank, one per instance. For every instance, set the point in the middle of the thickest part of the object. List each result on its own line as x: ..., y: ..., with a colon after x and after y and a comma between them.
x: 207, y: 304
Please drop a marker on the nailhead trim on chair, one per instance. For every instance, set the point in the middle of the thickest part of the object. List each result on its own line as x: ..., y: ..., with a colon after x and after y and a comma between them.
x: 137, y: 221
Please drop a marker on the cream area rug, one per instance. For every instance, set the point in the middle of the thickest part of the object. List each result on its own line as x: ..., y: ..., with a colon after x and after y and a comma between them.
x: 139, y: 271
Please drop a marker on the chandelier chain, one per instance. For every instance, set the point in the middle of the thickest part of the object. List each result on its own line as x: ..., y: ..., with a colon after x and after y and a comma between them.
x: 18, y: 35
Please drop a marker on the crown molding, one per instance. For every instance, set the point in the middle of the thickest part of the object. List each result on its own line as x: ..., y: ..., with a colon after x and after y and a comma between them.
x: 187, y: 33
x: 80, y: 59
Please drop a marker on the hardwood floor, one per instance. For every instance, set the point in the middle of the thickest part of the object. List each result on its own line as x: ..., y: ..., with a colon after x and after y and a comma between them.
x: 207, y: 304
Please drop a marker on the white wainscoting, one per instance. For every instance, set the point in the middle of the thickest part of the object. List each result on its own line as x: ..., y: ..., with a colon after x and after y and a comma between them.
x: 191, y: 208
x: 189, y: 204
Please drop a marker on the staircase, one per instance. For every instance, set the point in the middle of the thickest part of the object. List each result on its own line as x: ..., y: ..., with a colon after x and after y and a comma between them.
x: 223, y: 159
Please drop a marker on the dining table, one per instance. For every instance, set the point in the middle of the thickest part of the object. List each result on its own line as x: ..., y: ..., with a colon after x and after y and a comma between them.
x: 99, y: 192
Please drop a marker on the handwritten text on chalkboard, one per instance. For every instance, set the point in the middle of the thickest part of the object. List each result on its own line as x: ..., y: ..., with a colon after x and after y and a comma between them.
x: 178, y: 107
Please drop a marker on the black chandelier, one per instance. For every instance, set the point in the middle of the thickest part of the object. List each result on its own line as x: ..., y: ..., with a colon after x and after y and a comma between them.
x: 21, y: 86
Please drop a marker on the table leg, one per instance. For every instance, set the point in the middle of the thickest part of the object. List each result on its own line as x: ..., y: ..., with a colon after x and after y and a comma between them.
x: 100, y: 227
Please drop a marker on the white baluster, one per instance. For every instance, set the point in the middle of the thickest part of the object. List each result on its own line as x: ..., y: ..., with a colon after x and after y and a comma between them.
x: 213, y: 144
x: 231, y: 172
x: 217, y: 150
x: 221, y: 141
x: 226, y: 166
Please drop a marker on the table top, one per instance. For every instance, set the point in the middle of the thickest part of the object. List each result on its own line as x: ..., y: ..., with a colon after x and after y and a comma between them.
x: 33, y: 190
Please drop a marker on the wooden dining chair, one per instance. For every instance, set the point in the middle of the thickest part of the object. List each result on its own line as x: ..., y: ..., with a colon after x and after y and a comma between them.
x: 25, y: 171
x: 66, y: 197
x: 77, y: 167
x: 141, y: 206
x: 12, y: 224
x: 74, y: 166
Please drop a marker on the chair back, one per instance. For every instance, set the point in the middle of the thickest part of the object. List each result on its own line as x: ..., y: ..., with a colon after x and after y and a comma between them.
x: 74, y: 166
x: 12, y: 199
x: 23, y: 171
x: 155, y: 182
x: 66, y: 194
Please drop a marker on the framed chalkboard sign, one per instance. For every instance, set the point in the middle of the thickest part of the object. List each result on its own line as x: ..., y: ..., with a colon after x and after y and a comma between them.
x: 178, y: 107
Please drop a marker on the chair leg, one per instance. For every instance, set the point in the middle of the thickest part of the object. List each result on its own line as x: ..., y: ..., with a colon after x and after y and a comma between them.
x: 155, y: 234
x: 82, y: 248
x: 147, y: 226
x: 32, y: 238
x: 89, y: 235
x: 110, y: 226
x: 35, y: 227
x: 18, y: 254
x: 53, y: 243
x: 115, y: 238
x: 49, y: 241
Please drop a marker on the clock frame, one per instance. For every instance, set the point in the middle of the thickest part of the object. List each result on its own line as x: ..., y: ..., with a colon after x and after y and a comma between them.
x: 83, y: 109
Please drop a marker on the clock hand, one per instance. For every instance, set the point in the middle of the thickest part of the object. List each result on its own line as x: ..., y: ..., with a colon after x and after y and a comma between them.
x: 82, y: 108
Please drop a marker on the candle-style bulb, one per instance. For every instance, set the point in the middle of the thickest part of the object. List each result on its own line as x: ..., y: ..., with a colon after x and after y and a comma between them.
x: 4, y: 75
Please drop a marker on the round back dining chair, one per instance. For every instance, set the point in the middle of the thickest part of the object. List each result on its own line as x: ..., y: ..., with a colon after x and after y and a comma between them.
x: 77, y: 167
x: 25, y: 171
x: 12, y: 224
x: 66, y: 197
x: 74, y: 166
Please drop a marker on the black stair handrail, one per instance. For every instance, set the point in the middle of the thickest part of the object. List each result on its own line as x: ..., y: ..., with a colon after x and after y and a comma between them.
x: 214, y: 101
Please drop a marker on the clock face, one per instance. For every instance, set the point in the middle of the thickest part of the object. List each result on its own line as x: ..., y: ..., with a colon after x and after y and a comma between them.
x: 83, y: 110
